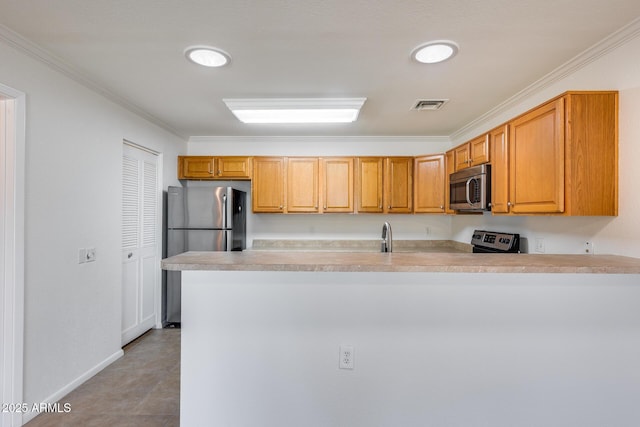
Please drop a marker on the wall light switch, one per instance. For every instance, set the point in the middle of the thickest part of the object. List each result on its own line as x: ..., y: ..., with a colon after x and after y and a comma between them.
x: 91, y: 254
x: 82, y: 255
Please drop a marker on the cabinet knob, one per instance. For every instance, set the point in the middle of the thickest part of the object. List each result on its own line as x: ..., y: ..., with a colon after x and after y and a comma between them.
x: 280, y: 207
x: 219, y: 172
x: 441, y: 207
x: 508, y: 203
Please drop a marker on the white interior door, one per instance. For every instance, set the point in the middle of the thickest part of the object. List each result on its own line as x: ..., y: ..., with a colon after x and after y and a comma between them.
x: 140, y: 242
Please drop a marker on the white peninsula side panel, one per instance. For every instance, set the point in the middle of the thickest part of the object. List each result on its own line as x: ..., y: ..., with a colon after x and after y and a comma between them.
x: 430, y: 349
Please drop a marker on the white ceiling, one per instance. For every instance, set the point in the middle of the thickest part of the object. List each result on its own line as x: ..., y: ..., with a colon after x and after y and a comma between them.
x: 314, y: 48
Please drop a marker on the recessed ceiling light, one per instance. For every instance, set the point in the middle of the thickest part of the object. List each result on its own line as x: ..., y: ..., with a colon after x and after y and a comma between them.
x: 435, y: 51
x: 207, y: 56
x: 296, y: 110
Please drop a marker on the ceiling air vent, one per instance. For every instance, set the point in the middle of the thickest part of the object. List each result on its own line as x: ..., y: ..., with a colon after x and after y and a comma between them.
x: 429, y: 104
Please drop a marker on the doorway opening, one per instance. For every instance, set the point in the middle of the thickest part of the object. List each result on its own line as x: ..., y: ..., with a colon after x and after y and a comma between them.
x: 12, y: 169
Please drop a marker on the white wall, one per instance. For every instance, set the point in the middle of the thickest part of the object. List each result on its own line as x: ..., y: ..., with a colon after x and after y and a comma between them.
x: 617, y: 70
x: 73, y: 180
x: 330, y: 226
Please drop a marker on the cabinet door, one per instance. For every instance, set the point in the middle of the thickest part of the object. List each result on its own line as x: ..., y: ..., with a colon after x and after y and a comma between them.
x: 429, y: 184
x: 536, y: 153
x: 462, y: 156
x: 302, y: 184
x: 267, y: 186
x: 500, y: 170
x: 449, y: 167
x: 233, y: 167
x: 398, y: 182
x: 369, y: 184
x: 195, y: 167
x: 337, y: 184
x: 479, y: 150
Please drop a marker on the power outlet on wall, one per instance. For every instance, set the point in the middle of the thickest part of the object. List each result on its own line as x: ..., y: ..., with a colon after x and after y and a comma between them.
x: 540, y: 245
x: 588, y: 248
x: 346, y: 357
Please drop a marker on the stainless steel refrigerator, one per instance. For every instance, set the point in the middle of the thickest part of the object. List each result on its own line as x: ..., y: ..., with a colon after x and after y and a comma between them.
x: 201, y: 219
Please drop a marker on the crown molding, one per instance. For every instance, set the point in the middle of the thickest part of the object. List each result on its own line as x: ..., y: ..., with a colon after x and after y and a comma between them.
x: 31, y: 49
x: 608, y: 44
x: 318, y: 139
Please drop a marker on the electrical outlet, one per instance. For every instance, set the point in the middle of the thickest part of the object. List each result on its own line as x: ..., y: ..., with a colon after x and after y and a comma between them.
x: 588, y: 248
x: 346, y: 357
x: 427, y: 230
x: 540, y: 245
x: 82, y: 255
x: 91, y: 254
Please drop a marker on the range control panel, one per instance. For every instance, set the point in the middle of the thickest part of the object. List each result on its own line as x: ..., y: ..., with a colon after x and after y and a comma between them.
x: 498, y: 242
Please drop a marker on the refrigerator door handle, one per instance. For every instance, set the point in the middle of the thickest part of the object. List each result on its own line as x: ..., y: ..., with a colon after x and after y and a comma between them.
x: 224, y: 211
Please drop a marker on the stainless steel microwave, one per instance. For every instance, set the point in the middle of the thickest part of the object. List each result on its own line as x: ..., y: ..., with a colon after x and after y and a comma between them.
x: 470, y: 189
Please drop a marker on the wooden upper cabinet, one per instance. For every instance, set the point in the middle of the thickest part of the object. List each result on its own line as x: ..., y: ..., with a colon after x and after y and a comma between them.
x: 337, y: 184
x: 268, y: 184
x: 536, y: 151
x: 429, y: 182
x: 499, y: 142
x: 233, y: 167
x: 462, y: 156
x: 449, y: 167
x: 398, y: 185
x: 563, y: 156
x: 302, y: 184
x: 196, y: 167
x: 209, y: 167
x: 472, y: 153
x: 369, y: 188
x: 479, y: 150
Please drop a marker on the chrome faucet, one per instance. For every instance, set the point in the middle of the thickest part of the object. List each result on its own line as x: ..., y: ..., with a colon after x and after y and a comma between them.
x: 387, y: 240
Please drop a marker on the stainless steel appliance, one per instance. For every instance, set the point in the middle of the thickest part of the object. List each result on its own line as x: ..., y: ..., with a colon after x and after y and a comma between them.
x: 495, y: 242
x: 470, y: 189
x: 201, y: 219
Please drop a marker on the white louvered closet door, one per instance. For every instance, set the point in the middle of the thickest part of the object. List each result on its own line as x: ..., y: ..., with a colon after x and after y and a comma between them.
x: 140, y: 225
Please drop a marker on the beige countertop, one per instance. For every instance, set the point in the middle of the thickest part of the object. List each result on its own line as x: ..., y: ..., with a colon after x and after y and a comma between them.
x: 325, y: 261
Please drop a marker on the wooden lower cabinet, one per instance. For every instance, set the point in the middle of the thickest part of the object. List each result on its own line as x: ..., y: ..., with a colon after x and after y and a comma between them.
x: 429, y: 182
x: 268, y: 185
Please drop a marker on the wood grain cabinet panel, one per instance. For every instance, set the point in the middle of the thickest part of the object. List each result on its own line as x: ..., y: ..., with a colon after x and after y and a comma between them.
x: 472, y: 153
x: 210, y: 167
x: 449, y: 168
x: 196, y: 167
x: 398, y: 185
x: 233, y: 167
x: 562, y: 158
x: 499, y: 142
x: 369, y: 189
x: 429, y: 180
x: 337, y: 184
x: 268, y: 185
x: 302, y: 184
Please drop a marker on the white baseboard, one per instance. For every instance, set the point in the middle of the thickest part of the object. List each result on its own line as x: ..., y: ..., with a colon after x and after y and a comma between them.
x: 28, y: 416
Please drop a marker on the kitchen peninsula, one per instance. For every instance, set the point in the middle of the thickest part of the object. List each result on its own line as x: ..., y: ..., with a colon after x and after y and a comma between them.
x: 435, y: 338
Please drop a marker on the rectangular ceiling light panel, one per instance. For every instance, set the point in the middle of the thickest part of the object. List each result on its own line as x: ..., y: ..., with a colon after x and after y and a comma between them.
x: 296, y: 110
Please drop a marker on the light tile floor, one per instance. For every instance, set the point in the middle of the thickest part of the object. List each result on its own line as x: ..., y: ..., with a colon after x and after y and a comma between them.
x: 140, y: 389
